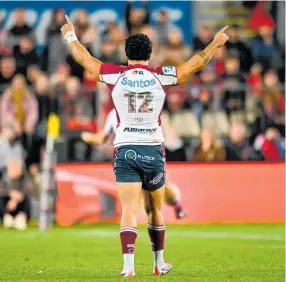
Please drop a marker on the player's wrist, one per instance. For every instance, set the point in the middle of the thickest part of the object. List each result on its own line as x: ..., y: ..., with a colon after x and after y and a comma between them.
x: 214, y: 44
x: 70, y: 36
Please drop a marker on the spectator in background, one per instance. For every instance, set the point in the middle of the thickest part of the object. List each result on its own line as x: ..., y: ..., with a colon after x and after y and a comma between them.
x: 177, y: 113
x: 273, y: 147
x: 5, y: 46
x: 265, y: 48
x: 7, y: 72
x: 59, y: 77
x: 136, y: 18
x: 25, y: 55
x: 163, y: 27
x: 203, y: 93
x: 237, y: 147
x: 208, y: 150
x: 241, y: 48
x: 234, y: 94
x: 33, y: 72
x: 14, y: 204
x: 272, y: 107
x: 20, y: 29
x: 273, y: 90
x: 47, y: 105
x: 55, y: 43
x: 177, y: 51
x: 254, y: 80
x: 116, y: 34
x: 203, y: 39
x: 19, y: 106
x: 109, y: 53
x: 74, y: 104
x: 175, y: 148
x: 76, y: 110
x: 219, y: 61
x: 86, y: 33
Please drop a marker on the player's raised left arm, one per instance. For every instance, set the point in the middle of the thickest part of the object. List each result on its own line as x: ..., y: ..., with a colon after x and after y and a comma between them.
x: 81, y: 55
x: 200, y: 60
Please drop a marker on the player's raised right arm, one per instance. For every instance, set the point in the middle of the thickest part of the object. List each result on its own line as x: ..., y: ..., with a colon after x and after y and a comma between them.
x: 81, y: 55
x: 200, y: 60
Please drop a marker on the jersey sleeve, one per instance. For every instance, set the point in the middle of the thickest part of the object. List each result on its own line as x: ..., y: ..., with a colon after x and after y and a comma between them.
x: 167, y: 76
x: 110, y: 73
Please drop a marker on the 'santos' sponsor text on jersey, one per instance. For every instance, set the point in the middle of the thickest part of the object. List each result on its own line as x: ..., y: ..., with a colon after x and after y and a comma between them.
x: 138, y: 93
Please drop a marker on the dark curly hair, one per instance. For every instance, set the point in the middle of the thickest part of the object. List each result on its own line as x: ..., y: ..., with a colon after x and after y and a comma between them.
x: 138, y: 47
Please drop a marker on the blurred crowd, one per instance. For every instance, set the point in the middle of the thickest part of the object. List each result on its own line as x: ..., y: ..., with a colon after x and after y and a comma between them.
x: 233, y: 110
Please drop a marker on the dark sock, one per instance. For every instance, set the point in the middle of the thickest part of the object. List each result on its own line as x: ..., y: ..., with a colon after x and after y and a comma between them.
x: 157, y: 236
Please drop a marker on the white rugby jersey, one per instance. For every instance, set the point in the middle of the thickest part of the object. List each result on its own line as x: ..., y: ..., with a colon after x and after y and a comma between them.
x: 138, y: 94
x: 110, y: 123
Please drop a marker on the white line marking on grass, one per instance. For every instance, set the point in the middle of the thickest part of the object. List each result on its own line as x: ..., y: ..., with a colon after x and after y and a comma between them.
x: 190, y: 234
x: 31, y: 234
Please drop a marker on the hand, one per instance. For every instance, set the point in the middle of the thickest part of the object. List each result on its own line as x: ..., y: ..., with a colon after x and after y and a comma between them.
x: 16, y: 196
x: 67, y: 27
x: 29, y: 130
x: 221, y: 37
x: 87, y: 137
x: 11, y: 205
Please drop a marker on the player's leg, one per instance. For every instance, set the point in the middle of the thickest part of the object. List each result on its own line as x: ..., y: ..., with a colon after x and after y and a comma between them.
x: 172, y: 198
x: 156, y: 228
x: 129, y: 195
x: 129, y: 186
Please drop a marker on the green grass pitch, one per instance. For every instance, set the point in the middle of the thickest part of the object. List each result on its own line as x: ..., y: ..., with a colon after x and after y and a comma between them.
x: 210, y: 253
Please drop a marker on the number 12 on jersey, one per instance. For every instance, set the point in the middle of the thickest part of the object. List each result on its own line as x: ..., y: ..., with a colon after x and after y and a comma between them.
x: 134, y: 98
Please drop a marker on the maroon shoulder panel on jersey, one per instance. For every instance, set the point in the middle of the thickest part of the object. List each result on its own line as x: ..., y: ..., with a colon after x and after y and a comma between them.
x: 157, y: 70
x: 154, y: 70
x: 110, y: 69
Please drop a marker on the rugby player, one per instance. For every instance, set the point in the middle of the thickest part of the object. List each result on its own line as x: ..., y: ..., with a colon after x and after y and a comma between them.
x: 172, y: 193
x: 138, y: 94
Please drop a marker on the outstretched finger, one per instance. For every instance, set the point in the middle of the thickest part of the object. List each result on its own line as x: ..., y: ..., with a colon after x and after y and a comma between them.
x: 68, y: 19
x: 223, y: 29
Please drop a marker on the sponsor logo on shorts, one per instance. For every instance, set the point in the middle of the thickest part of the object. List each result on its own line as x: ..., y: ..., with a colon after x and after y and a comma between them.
x: 169, y: 70
x: 157, y: 179
x: 130, y: 155
x: 145, y: 158
x: 140, y: 130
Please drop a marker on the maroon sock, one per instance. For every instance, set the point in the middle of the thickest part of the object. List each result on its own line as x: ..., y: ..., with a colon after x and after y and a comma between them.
x: 176, y: 204
x: 128, y: 237
x: 157, y: 236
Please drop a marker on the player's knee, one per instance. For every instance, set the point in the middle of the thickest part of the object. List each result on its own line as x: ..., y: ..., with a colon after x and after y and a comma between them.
x: 153, y: 211
x: 147, y: 210
x: 129, y: 209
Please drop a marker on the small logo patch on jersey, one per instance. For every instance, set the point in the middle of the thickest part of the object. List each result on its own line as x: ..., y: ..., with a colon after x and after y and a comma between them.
x: 169, y: 70
x: 135, y: 72
x: 157, y: 179
x: 130, y: 155
x: 139, y: 119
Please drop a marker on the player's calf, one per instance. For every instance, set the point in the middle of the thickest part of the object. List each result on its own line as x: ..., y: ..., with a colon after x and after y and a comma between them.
x: 157, y: 230
x: 129, y: 195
